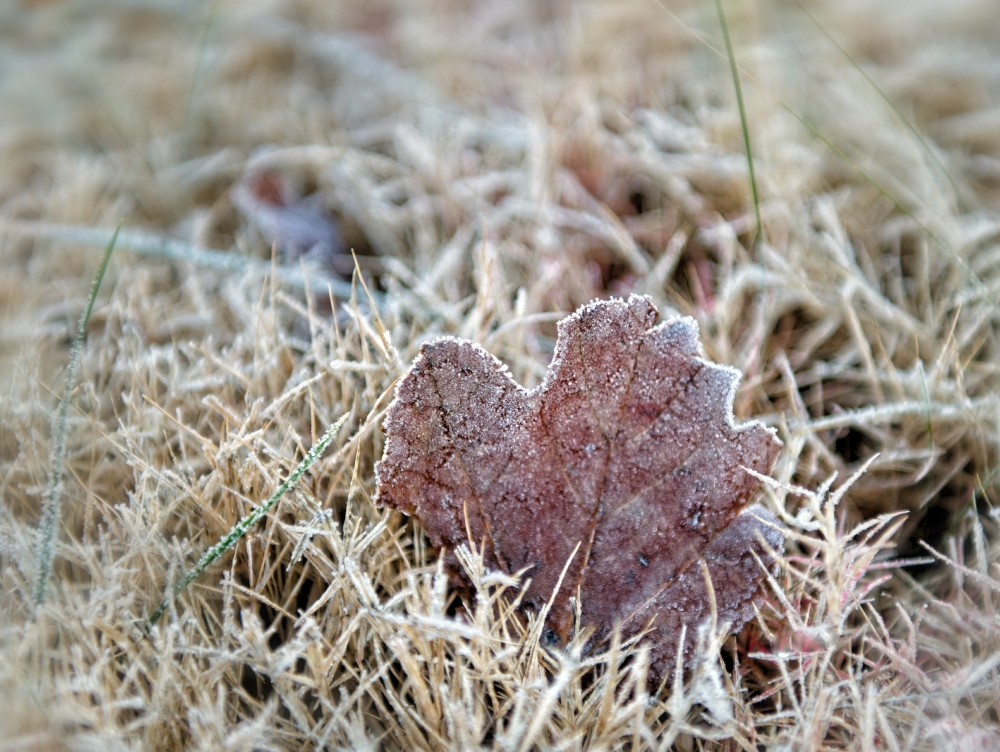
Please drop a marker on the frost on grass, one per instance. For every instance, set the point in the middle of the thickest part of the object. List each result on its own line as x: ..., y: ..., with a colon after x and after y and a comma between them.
x: 555, y: 154
x: 620, y: 481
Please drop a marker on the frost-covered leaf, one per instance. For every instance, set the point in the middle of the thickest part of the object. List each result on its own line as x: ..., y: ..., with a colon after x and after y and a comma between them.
x: 628, y: 448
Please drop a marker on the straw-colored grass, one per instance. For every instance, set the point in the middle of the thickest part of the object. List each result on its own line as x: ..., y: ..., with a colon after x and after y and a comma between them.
x: 494, y: 165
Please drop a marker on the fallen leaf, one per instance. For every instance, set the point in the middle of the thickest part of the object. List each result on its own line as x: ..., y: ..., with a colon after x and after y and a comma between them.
x: 298, y: 227
x: 627, y: 449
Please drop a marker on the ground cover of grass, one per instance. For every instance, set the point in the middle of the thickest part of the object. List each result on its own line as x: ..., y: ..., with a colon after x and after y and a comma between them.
x: 494, y: 165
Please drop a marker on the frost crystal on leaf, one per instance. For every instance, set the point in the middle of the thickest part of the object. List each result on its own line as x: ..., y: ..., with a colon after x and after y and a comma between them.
x: 628, y: 448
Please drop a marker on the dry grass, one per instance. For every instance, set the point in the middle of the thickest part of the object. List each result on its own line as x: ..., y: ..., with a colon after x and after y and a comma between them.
x: 497, y: 164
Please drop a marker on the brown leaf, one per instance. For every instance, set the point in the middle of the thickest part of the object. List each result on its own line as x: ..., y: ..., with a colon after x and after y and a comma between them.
x: 628, y: 448
x: 297, y: 226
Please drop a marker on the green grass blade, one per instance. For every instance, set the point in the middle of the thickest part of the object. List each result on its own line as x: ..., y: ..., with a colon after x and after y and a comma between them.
x: 743, y: 118
x: 241, y: 527
x: 970, y: 275
x: 196, y: 78
x: 52, y: 505
x: 916, y: 134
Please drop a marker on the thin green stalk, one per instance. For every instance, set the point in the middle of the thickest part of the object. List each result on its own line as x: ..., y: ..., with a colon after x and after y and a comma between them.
x: 241, y: 527
x: 52, y: 506
x: 903, y: 119
x: 195, y: 80
x: 743, y: 119
x: 970, y: 275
